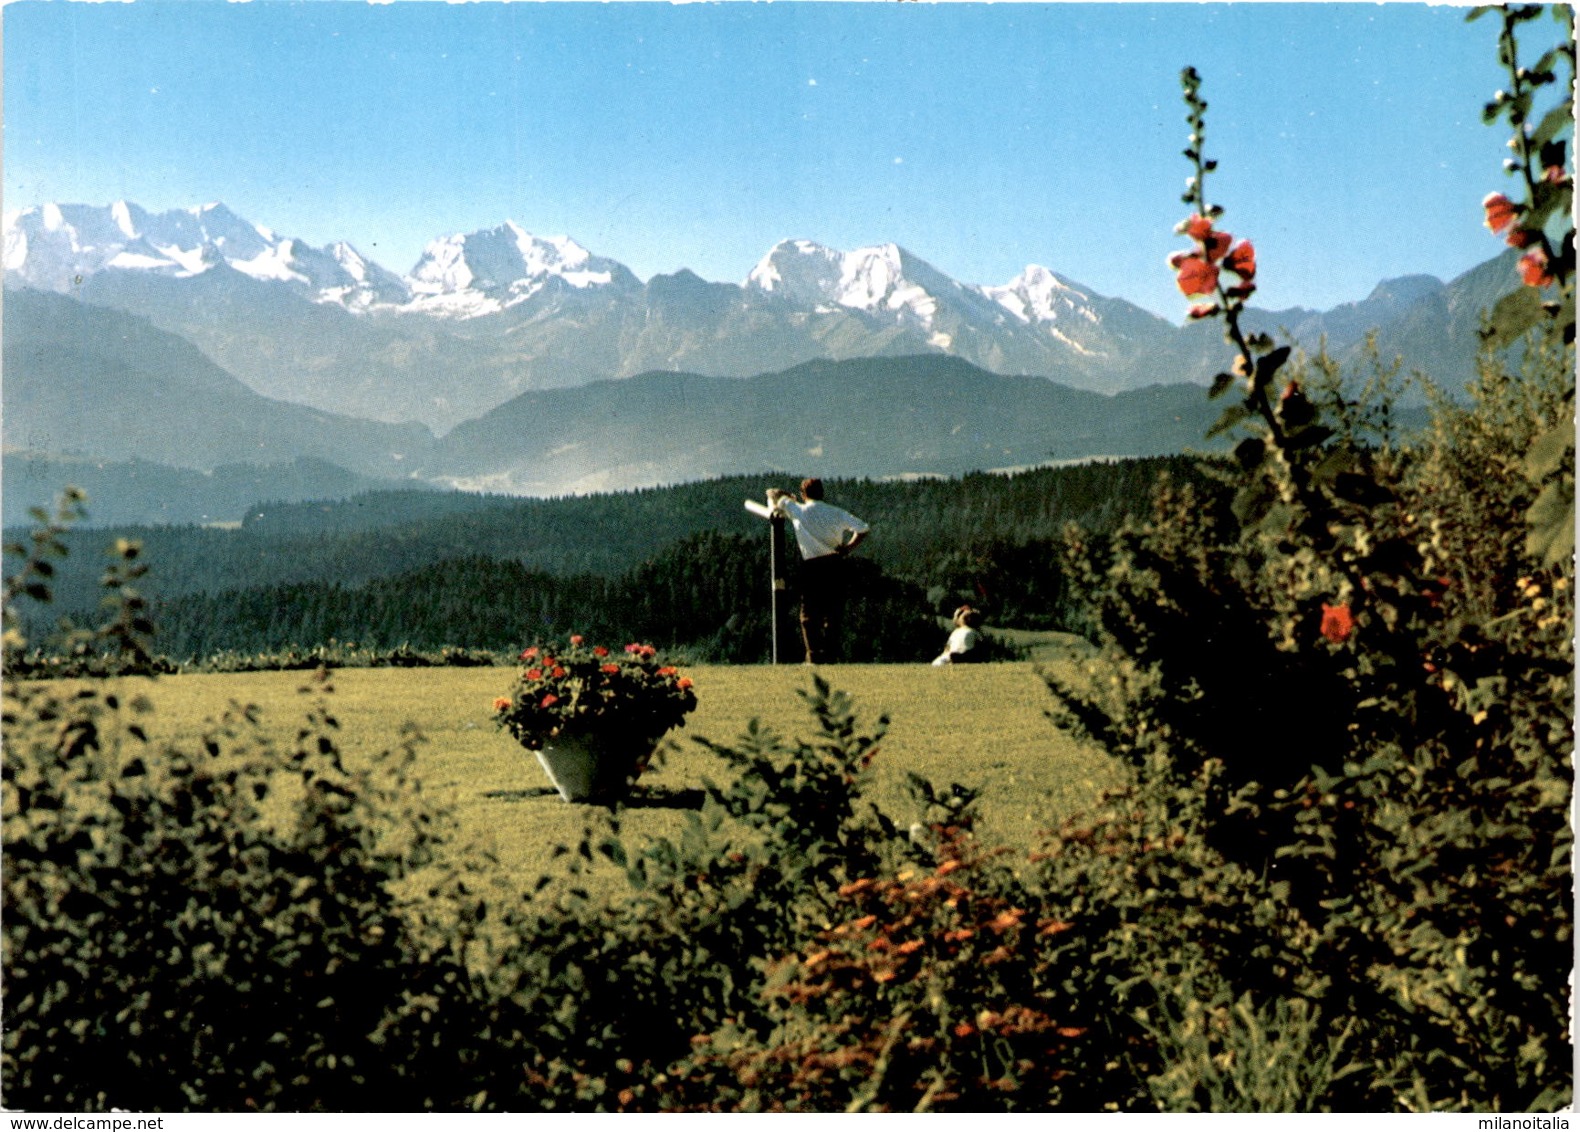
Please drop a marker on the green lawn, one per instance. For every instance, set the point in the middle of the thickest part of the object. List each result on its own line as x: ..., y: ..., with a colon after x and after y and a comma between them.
x: 980, y: 725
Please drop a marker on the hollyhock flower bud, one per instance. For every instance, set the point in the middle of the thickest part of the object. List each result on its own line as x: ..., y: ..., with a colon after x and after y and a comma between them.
x: 1197, y: 276
x: 1202, y: 310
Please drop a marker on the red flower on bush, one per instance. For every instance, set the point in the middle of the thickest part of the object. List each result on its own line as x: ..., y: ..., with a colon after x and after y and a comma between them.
x: 1501, y: 211
x: 534, y: 674
x: 528, y: 654
x: 599, y: 650
x: 576, y: 639
x: 611, y: 669
x: 1534, y: 269
x: 1337, y: 623
x: 684, y: 682
x: 549, y: 700
x: 1197, y: 276
x: 501, y: 703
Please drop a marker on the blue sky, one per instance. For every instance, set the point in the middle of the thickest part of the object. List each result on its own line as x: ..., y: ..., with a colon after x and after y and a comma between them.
x: 981, y: 137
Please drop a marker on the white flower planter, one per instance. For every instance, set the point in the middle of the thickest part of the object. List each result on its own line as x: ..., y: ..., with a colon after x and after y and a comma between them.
x: 585, y: 770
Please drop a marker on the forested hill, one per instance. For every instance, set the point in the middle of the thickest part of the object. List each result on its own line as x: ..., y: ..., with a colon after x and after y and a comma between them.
x: 945, y: 536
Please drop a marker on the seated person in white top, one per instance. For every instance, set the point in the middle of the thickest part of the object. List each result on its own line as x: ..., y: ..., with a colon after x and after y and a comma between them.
x: 820, y: 530
x: 965, y: 643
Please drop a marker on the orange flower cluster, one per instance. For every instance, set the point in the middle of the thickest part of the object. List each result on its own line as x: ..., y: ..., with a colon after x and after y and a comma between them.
x: 1502, y: 216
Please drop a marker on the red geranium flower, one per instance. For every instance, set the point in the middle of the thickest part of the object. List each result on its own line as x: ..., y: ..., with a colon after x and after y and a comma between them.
x: 1242, y: 260
x: 1533, y: 269
x: 1500, y: 210
x: 599, y: 650
x: 610, y: 668
x: 534, y: 674
x: 1197, y: 276
x: 1337, y: 623
x: 558, y: 672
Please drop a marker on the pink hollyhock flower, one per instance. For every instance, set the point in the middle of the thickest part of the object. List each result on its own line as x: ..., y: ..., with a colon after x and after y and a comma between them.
x: 1177, y: 260
x: 1197, y: 276
x: 1198, y: 227
x: 1522, y: 237
x: 1337, y: 623
x: 1500, y: 210
x: 1242, y: 260
x: 1533, y: 269
x: 1216, y: 244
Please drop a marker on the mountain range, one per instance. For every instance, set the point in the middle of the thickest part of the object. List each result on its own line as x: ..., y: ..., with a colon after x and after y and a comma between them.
x: 485, y: 316
x: 195, y: 339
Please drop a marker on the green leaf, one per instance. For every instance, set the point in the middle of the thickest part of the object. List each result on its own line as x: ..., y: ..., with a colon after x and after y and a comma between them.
x: 1550, y: 452
x: 1232, y: 416
x: 1220, y: 383
x: 1249, y: 452
x: 1515, y: 313
x: 1308, y: 437
x: 1269, y: 364
x: 1552, y: 521
x: 1559, y: 118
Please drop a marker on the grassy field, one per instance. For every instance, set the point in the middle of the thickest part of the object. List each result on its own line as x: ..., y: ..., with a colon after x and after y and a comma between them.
x: 980, y: 726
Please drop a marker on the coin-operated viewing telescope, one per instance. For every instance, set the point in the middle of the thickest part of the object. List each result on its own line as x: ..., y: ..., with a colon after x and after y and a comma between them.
x: 778, y: 587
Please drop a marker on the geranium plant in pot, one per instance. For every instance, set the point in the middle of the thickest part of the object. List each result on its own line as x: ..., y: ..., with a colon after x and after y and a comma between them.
x: 593, y: 716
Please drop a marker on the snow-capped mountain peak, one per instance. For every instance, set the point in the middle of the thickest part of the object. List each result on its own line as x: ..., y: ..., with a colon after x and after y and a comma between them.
x: 883, y: 278
x: 482, y: 272
x: 1037, y: 295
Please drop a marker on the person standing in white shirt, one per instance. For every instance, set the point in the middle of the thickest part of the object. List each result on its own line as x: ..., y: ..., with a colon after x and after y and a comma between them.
x: 825, y: 534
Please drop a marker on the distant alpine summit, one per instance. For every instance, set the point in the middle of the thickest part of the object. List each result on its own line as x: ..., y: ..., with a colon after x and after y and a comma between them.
x: 485, y: 316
